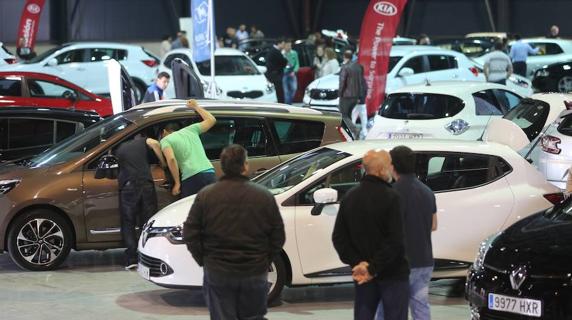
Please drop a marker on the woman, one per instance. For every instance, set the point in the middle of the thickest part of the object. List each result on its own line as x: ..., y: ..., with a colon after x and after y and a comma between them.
x: 331, y: 65
x: 319, y: 61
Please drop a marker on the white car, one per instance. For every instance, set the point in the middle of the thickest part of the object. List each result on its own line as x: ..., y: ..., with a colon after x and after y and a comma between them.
x: 442, y: 110
x: 5, y: 56
x: 481, y: 188
x: 408, y: 65
x: 84, y: 63
x: 236, y: 75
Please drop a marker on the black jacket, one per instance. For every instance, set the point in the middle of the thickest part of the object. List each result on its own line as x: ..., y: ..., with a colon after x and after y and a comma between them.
x: 369, y: 227
x: 234, y: 227
x: 352, y: 81
x: 275, y: 64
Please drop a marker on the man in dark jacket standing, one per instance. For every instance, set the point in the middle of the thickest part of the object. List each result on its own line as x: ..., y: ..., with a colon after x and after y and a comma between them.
x: 351, y: 88
x: 234, y: 230
x: 368, y: 236
x: 275, y: 64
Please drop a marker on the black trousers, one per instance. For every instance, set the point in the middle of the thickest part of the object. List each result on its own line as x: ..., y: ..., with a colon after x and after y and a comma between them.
x: 276, y: 80
x: 137, y: 203
x: 194, y: 184
x: 519, y: 67
x: 346, y: 106
x: 393, y: 294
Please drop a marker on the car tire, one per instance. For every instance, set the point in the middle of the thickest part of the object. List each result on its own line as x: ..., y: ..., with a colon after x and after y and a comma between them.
x: 276, y: 279
x: 46, y: 251
x: 564, y: 84
x: 140, y: 89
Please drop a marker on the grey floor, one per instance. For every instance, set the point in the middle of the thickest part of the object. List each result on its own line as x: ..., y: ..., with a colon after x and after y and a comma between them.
x: 94, y: 285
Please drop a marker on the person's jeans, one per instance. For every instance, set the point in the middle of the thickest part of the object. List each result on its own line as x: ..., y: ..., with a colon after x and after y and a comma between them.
x: 391, y: 293
x: 502, y: 81
x: 419, y: 279
x: 194, y: 184
x: 360, y: 111
x: 137, y: 203
x: 235, y: 297
x: 346, y: 107
x: 290, y: 85
x: 519, y: 67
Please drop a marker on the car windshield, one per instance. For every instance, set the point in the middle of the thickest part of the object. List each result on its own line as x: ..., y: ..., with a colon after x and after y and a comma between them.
x: 420, y: 106
x: 229, y: 66
x: 289, y: 174
x: 530, y: 115
x: 42, y: 56
x: 392, y: 62
x: 82, y: 143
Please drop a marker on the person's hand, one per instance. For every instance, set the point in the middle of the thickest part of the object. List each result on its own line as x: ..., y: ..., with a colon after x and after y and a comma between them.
x: 360, y: 274
x: 192, y: 104
x: 176, y: 189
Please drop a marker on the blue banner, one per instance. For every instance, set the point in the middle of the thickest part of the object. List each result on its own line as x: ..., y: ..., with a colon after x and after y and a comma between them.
x: 202, y: 29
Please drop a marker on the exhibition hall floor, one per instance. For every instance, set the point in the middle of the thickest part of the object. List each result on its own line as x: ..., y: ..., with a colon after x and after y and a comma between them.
x: 94, y: 285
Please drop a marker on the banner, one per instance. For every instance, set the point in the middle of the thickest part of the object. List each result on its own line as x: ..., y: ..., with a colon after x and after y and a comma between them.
x: 378, y: 29
x: 202, y: 29
x: 29, y: 22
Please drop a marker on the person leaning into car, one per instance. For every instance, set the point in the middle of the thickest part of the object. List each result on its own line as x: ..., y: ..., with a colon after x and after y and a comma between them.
x: 233, y: 230
x: 185, y: 154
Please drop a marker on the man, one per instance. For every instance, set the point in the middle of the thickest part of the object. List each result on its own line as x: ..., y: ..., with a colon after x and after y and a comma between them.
x: 156, y: 89
x: 498, y: 66
x: 351, y: 87
x: 234, y: 230
x: 177, y: 43
x: 255, y: 33
x: 423, y: 40
x: 554, y: 32
x: 368, y: 236
x: 185, y: 154
x: 275, y: 64
x: 241, y: 36
x: 419, y: 210
x: 137, y: 197
x: 289, y: 81
x: 519, y: 52
x: 229, y: 40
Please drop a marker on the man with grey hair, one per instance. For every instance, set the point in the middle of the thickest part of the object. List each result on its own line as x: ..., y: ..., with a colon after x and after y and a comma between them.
x: 368, y: 236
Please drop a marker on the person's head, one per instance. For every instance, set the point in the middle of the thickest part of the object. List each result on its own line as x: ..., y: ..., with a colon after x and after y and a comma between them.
x: 253, y: 29
x: 166, y: 38
x: 348, y: 56
x: 288, y: 45
x: 554, y: 30
x: 170, y: 128
x: 517, y: 37
x: 234, y: 161
x: 330, y: 53
x: 181, y: 33
x: 320, y: 51
x: 242, y: 27
x: 378, y: 163
x: 423, y: 39
x: 162, y: 80
x: 499, y: 45
x: 280, y: 43
x: 403, y: 160
x: 230, y: 31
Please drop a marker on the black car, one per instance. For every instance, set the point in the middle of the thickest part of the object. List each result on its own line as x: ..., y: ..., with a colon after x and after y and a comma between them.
x: 556, y: 77
x: 27, y: 131
x: 525, y: 272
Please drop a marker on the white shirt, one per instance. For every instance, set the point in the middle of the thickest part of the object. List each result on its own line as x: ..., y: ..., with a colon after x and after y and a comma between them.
x: 498, y: 63
x: 330, y: 67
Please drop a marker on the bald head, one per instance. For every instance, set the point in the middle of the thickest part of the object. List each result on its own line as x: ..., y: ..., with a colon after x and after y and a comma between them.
x: 378, y: 163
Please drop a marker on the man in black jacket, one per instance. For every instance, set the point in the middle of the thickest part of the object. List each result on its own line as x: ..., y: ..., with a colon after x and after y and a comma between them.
x: 275, y: 64
x: 234, y: 230
x: 368, y: 236
x: 352, y: 89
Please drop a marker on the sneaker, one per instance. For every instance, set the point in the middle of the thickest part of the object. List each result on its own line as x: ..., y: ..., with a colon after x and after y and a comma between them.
x: 131, y: 266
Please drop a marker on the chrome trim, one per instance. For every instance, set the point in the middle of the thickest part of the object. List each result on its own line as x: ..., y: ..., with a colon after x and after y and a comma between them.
x: 105, y: 231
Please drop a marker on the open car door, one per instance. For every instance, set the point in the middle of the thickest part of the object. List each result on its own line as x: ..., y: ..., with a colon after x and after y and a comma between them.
x: 120, y: 87
x: 187, y: 82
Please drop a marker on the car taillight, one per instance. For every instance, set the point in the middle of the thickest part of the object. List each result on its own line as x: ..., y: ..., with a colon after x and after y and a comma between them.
x: 150, y: 62
x: 554, y: 198
x: 568, y: 105
x: 474, y: 71
x: 10, y: 60
x: 550, y: 144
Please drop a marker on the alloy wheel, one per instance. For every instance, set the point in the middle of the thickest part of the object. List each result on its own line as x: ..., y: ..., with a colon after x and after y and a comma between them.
x: 565, y: 84
x: 40, y: 241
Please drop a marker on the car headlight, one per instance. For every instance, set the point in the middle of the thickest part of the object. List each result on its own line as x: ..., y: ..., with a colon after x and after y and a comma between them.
x: 542, y: 73
x: 457, y: 126
x: 173, y: 234
x: 483, y: 250
x: 7, y: 185
x: 307, y: 92
x: 269, y: 88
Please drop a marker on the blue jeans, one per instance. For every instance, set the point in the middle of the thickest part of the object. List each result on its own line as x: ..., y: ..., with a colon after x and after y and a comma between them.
x: 194, y: 184
x: 290, y: 85
x: 389, y: 292
x: 418, y: 294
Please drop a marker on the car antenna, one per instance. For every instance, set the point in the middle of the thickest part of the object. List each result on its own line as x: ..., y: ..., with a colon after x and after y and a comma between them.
x: 427, y: 82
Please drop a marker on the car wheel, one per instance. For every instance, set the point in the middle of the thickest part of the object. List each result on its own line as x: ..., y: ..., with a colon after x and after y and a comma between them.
x: 140, y: 89
x: 39, y: 240
x: 276, y: 279
x: 565, y: 84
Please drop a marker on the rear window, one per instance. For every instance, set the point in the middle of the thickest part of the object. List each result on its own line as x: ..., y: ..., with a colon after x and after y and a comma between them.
x: 421, y: 106
x: 530, y: 115
x: 295, y: 136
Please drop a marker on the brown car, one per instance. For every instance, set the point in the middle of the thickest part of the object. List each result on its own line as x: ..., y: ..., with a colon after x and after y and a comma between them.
x: 52, y: 203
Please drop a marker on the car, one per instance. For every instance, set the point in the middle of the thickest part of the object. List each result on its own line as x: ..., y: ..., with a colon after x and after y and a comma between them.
x: 491, y: 37
x: 236, y: 75
x: 524, y: 272
x: 480, y: 188
x: 442, y: 110
x: 6, y: 57
x: 470, y: 47
x: 27, y: 131
x: 59, y: 189
x: 555, y: 77
x: 84, y: 63
x: 45, y: 90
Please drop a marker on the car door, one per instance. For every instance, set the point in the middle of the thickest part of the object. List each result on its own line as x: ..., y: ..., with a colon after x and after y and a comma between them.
x: 473, y: 200
x: 419, y: 66
x: 71, y: 66
x: 442, y: 67
x: 295, y: 136
x: 166, y: 67
x: 50, y: 94
x: 12, y: 92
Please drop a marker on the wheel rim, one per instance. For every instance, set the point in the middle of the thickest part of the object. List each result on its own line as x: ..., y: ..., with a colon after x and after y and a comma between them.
x: 565, y: 84
x: 139, y: 92
x: 272, y: 277
x: 40, y: 241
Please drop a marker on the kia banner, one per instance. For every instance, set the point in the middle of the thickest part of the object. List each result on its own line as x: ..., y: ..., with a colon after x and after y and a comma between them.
x: 377, y: 32
x: 202, y: 29
x: 29, y: 22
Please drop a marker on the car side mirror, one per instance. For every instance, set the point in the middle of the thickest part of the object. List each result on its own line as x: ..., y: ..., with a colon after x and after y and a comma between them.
x: 322, y: 198
x: 70, y: 95
x: 53, y: 62
x: 107, y: 168
x: 405, y: 72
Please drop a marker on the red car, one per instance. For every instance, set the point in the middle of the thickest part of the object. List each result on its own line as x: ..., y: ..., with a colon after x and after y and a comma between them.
x: 34, y: 89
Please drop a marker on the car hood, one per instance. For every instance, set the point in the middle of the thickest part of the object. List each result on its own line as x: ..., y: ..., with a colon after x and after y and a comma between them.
x: 174, y: 214
x: 331, y: 82
x: 539, y: 242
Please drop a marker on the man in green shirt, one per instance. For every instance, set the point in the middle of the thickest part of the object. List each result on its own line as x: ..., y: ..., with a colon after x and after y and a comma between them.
x: 185, y: 154
x: 289, y: 81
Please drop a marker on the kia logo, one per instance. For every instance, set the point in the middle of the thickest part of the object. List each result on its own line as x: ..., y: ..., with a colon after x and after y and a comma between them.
x: 33, y: 8
x: 385, y: 8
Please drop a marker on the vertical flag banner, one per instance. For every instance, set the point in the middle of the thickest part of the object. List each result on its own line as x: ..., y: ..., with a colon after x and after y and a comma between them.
x: 29, y: 22
x: 202, y: 30
x: 376, y: 38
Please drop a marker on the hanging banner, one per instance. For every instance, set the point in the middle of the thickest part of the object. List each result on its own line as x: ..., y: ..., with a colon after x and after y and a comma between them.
x: 202, y: 29
x: 378, y: 29
x: 29, y: 22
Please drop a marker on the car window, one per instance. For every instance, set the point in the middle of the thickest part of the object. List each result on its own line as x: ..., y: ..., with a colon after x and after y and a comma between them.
x: 506, y: 99
x: 11, y: 86
x: 295, y: 136
x: 420, y: 106
x: 486, y: 104
x: 341, y: 180
x: 441, y: 62
x: 547, y: 49
x: 169, y: 59
x: 64, y: 129
x: 415, y: 63
x: 3, y: 134
x: 103, y: 54
x: 229, y: 66
x: 71, y: 56
x: 530, y: 115
x: 27, y: 133
x: 47, y: 89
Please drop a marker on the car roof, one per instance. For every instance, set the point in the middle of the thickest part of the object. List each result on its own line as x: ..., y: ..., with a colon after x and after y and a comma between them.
x: 406, y: 49
x: 50, y: 113
x: 218, y: 52
x: 547, y: 40
x: 452, y: 87
x: 91, y: 44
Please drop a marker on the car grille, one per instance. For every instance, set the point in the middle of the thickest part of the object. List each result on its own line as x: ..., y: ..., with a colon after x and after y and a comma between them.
x: 157, y: 267
x: 323, y: 94
x: 245, y: 94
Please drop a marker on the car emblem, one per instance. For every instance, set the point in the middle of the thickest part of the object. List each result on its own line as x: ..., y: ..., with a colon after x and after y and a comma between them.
x: 517, y: 277
x: 323, y: 95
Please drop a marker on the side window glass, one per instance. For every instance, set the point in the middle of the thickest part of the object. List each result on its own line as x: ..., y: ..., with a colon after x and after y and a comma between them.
x: 306, y: 197
x: 415, y: 63
x: 218, y: 137
x: 486, y: 104
x: 439, y: 62
x: 27, y: 133
x: 101, y: 54
x: 507, y: 100
x: 64, y: 130
x: 251, y: 134
x: 11, y: 87
x: 346, y: 178
x: 453, y: 64
x: 295, y: 136
x: 457, y: 171
x: 120, y: 54
x: 547, y: 49
x: 46, y: 89
x: 71, y: 56
x: 3, y: 135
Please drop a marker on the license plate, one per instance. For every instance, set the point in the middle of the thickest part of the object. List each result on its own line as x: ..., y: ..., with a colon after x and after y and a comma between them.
x: 404, y: 135
x: 143, y: 271
x: 523, y: 306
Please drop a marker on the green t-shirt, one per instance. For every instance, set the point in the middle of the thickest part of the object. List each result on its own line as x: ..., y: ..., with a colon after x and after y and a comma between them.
x: 189, y: 151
